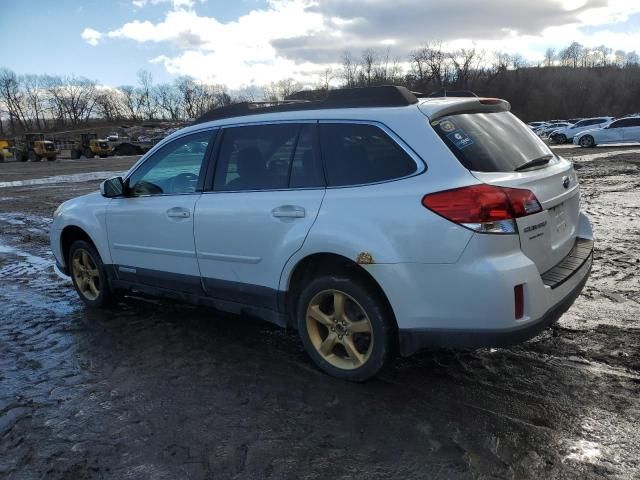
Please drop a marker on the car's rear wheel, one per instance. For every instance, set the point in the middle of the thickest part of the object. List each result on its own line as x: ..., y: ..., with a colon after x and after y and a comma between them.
x: 345, y: 327
x: 587, y: 141
x: 88, y: 274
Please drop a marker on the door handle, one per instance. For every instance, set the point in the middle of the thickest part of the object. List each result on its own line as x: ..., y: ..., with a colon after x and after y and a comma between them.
x: 288, y: 211
x: 178, y: 212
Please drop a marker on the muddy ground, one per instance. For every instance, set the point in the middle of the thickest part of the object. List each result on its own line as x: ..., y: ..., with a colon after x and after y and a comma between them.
x: 154, y: 390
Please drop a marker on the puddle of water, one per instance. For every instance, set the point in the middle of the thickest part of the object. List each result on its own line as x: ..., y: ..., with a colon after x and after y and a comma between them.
x: 6, y: 249
x: 36, y: 221
x: 31, y: 262
x: 72, y: 178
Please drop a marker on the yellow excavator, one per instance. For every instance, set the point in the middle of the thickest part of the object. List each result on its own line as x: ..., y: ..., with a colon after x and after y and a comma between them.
x: 33, y: 147
x: 90, y: 145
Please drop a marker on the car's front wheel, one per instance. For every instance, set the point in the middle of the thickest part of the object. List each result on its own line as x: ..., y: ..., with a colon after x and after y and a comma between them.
x: 88, y: 274
x: 560, y: 139
x: 344, y: 326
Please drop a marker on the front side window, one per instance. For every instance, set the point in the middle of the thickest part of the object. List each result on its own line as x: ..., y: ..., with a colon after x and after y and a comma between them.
x: 356, y: 154
x: 267, y: 157
x: 174, y: 169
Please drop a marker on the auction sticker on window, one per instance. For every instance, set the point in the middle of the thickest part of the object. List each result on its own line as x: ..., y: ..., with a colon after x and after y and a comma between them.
x: 460, y: 139
x: 447, y: 126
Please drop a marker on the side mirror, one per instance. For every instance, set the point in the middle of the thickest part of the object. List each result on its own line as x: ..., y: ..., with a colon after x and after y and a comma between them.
x: 112, y: 187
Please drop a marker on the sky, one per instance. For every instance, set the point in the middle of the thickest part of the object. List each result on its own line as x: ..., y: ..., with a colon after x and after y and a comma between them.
x: 241, y: 43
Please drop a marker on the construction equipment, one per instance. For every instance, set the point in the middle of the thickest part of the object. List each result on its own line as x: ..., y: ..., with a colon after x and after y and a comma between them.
x: 124, y: 146
x: 90, y: 145
x: 5, y: 151
x: 33, y: 147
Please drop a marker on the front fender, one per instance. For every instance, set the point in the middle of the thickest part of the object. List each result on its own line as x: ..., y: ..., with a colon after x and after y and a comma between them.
x: 87, y: 213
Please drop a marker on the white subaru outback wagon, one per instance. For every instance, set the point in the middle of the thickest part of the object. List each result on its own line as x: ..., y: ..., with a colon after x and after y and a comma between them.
x: 371, y: 221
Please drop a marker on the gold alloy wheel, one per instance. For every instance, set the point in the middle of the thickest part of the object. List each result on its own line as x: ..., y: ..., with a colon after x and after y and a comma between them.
x: 85, y: 273
x: 339, y: 329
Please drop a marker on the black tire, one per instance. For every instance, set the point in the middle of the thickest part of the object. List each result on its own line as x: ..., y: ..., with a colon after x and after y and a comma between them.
x: 103, y: 155
x: 560, y: 139
x: 87, y: 153
x: 372, y: 306
x: 587, y: 141
x: 51, y: 159
x: 33, y: 157
x: 75, y: 154
x: 105, y: 297
x: 23, y: 157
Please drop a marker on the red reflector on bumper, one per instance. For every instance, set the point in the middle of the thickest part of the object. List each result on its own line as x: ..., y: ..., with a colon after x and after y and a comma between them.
x: 518, y: 294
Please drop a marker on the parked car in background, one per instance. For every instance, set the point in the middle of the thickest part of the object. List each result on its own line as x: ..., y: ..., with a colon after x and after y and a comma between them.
x: 372, y: 222
x: 566, y: 134
x: 545, y: 130
x: 534, y: 125
x: 623, y: 130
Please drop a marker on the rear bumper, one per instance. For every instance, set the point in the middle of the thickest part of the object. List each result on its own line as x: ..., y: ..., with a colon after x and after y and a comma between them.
x: 415, y: 339
x: 470, y: 304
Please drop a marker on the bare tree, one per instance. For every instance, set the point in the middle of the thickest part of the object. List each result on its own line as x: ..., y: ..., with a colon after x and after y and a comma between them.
x: 549, y: 56
x: 631, y: 59
x: 109, y: 104
x: 168, y: 98
x: 34, y: 99
x: 146, y: 93
x: 349, y: 70
x: 13, y: 98
x: 571, y: 55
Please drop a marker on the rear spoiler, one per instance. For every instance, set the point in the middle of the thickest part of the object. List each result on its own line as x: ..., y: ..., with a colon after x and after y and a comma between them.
x: 442, y: 107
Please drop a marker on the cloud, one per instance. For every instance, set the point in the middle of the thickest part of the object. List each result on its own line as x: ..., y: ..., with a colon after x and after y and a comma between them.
x: 91, y: 36
x: 299, y: 38
x: 175, y: 3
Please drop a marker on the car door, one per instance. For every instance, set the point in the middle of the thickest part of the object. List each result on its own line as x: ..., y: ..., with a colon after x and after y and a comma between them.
x: 267, y: 190
x: 614, y: 133
x: 631, y: 132
x: 150, y: 229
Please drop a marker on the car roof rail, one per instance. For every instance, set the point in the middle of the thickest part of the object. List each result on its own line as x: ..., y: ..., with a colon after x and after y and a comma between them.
x: 443, y: 92
x: 363, y: 97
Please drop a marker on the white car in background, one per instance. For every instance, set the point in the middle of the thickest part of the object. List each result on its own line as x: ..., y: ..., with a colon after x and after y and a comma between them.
x: 545, y: 130
x: 566, y: 134
x: 623, y: 130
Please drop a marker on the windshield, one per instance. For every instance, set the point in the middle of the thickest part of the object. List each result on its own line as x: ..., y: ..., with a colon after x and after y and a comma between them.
x: 490, y: 142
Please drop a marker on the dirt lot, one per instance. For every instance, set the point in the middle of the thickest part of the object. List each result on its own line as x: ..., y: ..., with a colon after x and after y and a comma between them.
x: 163, y: 391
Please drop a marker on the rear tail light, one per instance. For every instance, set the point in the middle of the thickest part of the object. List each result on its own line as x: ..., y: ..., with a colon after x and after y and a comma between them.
x: 484, y: 208
x: 518, y: 296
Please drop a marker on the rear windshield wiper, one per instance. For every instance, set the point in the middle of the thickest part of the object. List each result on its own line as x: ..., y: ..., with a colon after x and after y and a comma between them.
x: 536, y: 162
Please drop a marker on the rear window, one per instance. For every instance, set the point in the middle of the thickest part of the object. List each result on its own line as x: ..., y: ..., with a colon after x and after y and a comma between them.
x: 490, y: 142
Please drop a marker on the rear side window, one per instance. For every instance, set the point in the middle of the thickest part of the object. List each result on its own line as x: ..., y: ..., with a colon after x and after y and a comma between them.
x: 355, y: 154
x: 490, y: 142
x: 267, y: 157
